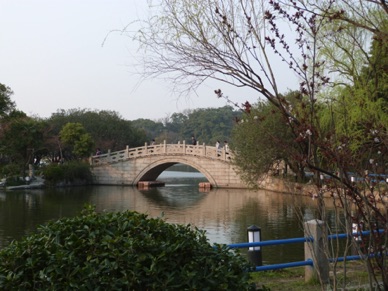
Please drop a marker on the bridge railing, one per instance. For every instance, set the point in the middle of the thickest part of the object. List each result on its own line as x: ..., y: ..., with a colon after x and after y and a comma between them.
x: 161, y: 149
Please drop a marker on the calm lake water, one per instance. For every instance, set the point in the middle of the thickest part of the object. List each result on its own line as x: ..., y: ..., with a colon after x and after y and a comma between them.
x: 225, y: 214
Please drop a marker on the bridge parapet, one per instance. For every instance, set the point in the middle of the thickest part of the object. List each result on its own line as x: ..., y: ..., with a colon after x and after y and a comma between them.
x: 161, y: 149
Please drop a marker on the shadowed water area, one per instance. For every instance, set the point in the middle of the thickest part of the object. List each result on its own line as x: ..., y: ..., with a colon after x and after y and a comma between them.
x: 224, y: 214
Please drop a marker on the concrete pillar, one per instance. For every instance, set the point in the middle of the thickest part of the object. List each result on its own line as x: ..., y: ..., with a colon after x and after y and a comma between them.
x: 165, y: 147
x: 204, y: 150
x: 316, y: 251
x: 127, y: 151
x: 184, y: 147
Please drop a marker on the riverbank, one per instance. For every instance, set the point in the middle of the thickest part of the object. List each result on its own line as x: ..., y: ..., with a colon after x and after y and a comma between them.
x: 35, y: 183
x: 272, y: 183
x: 275, y: 184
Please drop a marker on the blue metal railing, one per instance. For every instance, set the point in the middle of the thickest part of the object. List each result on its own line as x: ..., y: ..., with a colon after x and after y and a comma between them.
x: 271, y: 242
x: 307, y: 262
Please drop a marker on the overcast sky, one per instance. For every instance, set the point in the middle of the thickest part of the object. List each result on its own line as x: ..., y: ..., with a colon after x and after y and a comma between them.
x: 53, y: 56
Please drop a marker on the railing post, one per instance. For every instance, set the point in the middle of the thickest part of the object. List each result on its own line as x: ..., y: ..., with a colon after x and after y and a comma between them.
x: 204, y: 150
x: 184, y: 147
x: 316, y: 250
x: 127, y: 151
x: 164, y: 147
x: 108, y: 156
x: 145, y: 148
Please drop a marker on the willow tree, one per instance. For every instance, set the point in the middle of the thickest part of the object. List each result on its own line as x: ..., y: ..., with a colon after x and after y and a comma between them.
x: 239, y: 42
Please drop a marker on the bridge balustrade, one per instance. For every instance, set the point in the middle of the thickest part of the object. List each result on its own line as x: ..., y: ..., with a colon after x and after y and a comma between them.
x: 161, y: 149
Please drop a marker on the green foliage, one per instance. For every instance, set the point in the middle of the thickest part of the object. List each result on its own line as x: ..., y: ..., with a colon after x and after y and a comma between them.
x: 151, y: 128
x: 260, y: 140
x: 16, y: 149
x: 6, y: 105
x: 15, y: 181
x: 207, y: 125
x: 84, y: 146
x: 107, y: 128
x: 356, y: 119
x: 119, y: 251
x: 75, y: 136
x: 67, y: 172
x: 211, y: 124
x: 10, y: 170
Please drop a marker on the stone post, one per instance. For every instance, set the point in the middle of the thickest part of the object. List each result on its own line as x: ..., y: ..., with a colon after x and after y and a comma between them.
x: 204, y: 150
x: 164, y: 147
x: 145, y: 148
x: 184, y: 147
x: 31, y: 172
x: 316, y: 250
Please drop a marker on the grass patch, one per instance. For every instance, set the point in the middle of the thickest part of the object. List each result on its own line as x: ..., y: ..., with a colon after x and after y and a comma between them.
x: 292, y: 279
x: 285, y: 279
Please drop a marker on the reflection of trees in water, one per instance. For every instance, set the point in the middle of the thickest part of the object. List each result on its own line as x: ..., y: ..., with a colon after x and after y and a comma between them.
x: 179, y: 192
x: 178, y: 196
x: 224, y: 213
x: 22, y: 212
x: 280, y: 216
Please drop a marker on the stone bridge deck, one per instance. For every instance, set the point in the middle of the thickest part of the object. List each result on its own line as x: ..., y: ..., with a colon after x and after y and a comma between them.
x: 132, y: 165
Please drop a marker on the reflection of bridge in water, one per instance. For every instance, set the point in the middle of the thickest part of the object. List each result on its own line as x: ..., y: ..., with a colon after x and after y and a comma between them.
x: 133, y: 165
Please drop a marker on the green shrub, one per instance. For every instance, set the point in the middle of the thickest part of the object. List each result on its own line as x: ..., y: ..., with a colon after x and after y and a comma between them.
x: 15, y: 181
x: 10, y: 170
x: 120, y: 251
x: 67, y: 172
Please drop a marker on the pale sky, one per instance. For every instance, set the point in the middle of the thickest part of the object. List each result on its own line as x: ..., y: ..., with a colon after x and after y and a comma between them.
x: 52, y: 56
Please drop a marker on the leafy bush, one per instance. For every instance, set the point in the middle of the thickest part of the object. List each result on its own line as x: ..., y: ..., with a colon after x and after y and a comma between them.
x: 9, y: 170
x: 120, y: 251
x: 67, y: 172
x: 15, y: 181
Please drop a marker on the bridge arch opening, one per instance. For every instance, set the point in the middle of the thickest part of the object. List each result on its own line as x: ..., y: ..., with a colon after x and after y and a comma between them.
x: 160, y: 169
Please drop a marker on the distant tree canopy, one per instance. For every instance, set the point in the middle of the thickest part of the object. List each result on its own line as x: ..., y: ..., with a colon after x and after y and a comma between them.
x: 107, y: 128
x: 207, y: 125
x: 75, y: 132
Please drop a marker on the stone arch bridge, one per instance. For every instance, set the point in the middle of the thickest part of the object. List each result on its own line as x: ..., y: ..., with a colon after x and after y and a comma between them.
x: 133, y: 165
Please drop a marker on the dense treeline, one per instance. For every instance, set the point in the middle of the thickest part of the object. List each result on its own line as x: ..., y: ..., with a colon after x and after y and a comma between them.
x: 76, y: 134
x: 206, y: 125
